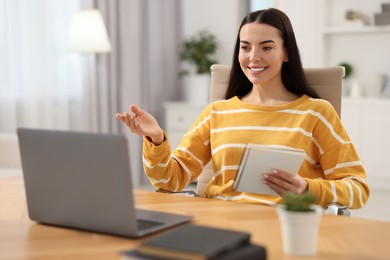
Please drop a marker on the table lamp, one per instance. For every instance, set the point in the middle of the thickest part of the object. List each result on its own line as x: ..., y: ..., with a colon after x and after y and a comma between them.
x: 87, y: 33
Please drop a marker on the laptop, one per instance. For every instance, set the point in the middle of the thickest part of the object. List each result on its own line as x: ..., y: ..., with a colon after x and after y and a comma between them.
x: 83, y: 181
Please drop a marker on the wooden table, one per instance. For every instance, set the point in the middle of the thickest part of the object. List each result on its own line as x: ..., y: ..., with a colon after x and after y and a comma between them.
x: 340, y: 237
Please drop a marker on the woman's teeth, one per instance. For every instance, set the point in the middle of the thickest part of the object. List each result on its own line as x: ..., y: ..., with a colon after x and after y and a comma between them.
x: 257, y: 69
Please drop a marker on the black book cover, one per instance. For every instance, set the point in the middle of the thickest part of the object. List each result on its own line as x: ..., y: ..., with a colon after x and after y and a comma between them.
x: 244, y: 252
x: 194, y: 242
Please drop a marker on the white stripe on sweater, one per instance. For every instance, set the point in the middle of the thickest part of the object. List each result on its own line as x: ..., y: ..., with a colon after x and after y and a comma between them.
x: 185, y: 150
x: 232, y: 111
x: 148, y: 165
x: 159, y: 181
x: 189, y: 174
x: 333, y: 188
x: 350, y: 192
x: 321, y: 117
x: 342, y: 165
x: 224, y: 146
x: 268, y: 128
x: 358, y: 188
x: 226, y: 168
x: 262, y: 128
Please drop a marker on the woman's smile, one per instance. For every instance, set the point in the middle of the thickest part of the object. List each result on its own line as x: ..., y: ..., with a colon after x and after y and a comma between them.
x: 257, y: 69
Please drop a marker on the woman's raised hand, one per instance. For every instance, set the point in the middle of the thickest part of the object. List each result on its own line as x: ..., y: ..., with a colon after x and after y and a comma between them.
x: 142, y: 123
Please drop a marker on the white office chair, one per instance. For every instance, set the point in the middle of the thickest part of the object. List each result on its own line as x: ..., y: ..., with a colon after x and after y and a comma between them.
x: 327, y: 82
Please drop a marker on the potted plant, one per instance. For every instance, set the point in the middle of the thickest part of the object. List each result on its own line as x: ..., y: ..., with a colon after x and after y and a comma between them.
x: 299, y: 218
x: 347, y: 69
x: 198, y: 51
x: 351, y: 87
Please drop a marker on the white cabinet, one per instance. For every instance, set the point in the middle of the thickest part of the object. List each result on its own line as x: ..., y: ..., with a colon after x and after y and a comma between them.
x: 179, y: 117
x: 367, y: 121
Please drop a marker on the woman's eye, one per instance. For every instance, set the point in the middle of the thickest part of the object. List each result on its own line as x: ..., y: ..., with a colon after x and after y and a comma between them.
x: 266, y: 48
x: 244, y: 48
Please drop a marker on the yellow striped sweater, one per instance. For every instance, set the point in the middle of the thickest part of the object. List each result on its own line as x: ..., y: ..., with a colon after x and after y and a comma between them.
x: 332, y: 166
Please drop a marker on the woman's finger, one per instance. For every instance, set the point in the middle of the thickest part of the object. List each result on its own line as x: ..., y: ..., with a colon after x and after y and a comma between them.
x: 136, y: 110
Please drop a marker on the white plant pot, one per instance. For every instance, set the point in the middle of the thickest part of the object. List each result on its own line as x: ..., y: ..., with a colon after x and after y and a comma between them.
x: 300, y: 230
x: 355, y: 89
x: 197, y: 91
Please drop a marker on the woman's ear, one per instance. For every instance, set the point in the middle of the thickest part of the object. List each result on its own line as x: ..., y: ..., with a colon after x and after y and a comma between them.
x: 285, y: 55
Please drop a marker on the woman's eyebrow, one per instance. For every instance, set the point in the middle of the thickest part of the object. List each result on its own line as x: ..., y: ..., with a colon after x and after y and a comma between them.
x: 267, y: 41
x: 263, y: 42
x: 246, y: 42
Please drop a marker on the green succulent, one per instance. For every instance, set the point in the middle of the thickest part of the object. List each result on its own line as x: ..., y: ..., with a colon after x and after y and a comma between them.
x: 301, y: 202
x: 348, y: 69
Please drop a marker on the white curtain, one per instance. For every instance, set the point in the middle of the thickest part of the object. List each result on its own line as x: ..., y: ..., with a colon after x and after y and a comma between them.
x: 42, y: 85
x: 142, y: 67
x: 40, y: 81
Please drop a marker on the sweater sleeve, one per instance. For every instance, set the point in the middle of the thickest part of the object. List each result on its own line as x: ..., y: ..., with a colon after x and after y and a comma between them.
x: 173, y: 171
x: 344, y: 179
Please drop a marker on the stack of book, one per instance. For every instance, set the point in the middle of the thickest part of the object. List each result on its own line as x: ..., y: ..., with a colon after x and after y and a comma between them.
x: 195, y: 242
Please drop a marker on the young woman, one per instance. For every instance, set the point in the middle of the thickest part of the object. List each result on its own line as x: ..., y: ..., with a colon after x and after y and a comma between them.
x: 268, y: 102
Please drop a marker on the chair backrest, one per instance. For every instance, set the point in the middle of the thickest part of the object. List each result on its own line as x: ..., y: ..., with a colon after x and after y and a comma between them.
x: 327, y: 82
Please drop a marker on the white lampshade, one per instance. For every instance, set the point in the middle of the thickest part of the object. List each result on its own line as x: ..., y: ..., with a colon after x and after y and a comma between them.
x: 87, y: 33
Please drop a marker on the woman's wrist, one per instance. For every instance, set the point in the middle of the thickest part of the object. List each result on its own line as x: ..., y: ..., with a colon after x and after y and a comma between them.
x: 158, y: 139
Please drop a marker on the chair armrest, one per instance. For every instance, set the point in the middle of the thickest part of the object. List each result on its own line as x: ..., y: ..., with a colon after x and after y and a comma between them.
x: 337, y: 209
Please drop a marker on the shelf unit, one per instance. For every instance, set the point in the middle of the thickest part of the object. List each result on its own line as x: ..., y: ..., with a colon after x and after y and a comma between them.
x: 365, y: 47
x: 355, y: 30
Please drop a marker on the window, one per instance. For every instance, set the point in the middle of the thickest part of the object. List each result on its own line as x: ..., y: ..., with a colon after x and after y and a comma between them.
x: 40, y: 81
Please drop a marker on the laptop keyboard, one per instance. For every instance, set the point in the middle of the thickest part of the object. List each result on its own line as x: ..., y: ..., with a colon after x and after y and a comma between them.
x: 143, y: 224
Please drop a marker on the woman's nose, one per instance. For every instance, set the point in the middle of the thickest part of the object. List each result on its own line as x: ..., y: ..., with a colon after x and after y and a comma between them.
x: 255, y: 56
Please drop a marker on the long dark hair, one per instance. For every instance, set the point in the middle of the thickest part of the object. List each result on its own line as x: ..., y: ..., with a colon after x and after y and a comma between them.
x: 293, y: 76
